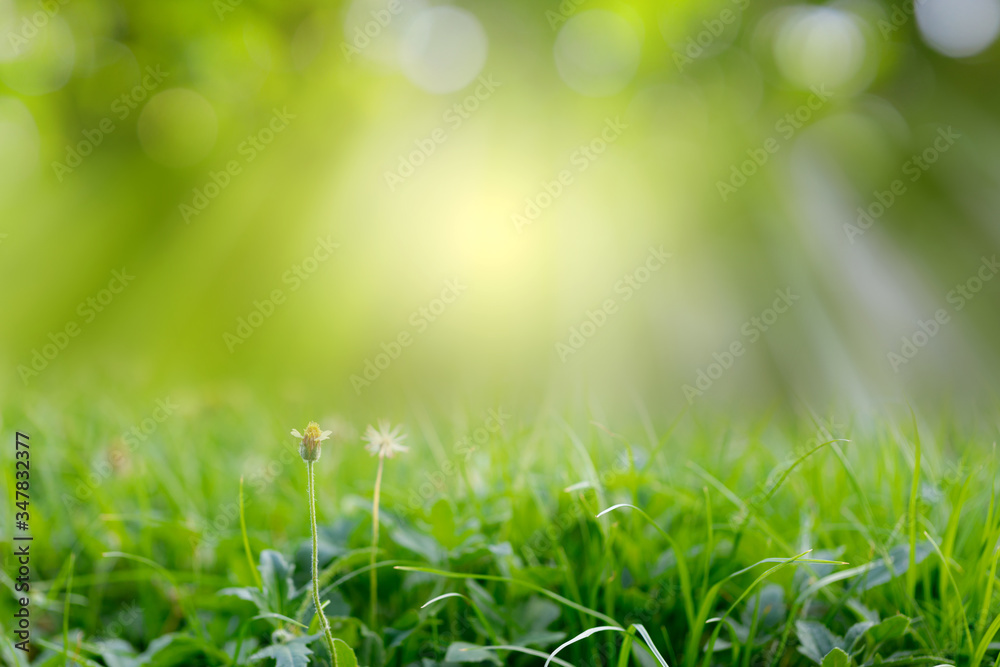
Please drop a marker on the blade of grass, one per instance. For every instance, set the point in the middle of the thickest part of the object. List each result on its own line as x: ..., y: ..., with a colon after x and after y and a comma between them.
x: 517, y: 582
x: 988, y: 594
x: 911, y: 571
x: 56, y: 648
x: 626, y: 649
x: 682, y: 570
x: 958, y: 593
x: 765, y: 575
x: 475, y: 608
x: 189, y: 611
x: 246, y: 542
x: 747, y: 650
x: 528, y: 651
x: 69, y: 592
x: 649, y: 643
x: 583, y: 635
x: 984, y: 642
x: 694, y: 637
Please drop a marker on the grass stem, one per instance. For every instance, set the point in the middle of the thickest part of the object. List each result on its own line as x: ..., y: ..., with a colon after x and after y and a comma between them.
x: 323, y: 623
x: 374, y: 571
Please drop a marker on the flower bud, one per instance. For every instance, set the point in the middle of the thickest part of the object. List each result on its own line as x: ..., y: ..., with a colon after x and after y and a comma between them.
x: 309, y: 448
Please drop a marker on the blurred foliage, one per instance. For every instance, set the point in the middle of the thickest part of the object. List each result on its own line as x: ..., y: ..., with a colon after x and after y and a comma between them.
x: 207, y: 147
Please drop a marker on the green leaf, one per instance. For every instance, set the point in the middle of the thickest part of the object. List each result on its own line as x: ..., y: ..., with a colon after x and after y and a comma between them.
x: 465, y: 652
x: 173, y: 650
x: 419, y: 543
x: 276, y: 574
x: 292, y: 654
x: 877, y: 572
x: 345, y: 654
x: 772, y: 606
x: 852, y: 640
x: 256, y: 596
x: 720, y: 622
x: 891, y: 628
x: 836, y: 658
x: 521, y: 649
x: 816, y: 641
x: 355, y: 633
x: 871, y: 634
x: 443, y: 528
x: 117, y: 652
x: 899, y: 563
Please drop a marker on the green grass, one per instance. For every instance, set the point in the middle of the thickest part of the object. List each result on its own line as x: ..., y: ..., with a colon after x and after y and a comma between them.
x: 693, y: 543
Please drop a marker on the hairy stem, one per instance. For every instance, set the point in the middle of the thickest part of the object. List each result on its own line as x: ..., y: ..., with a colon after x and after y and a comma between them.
x: 374, y: 570
x: 311, y: 490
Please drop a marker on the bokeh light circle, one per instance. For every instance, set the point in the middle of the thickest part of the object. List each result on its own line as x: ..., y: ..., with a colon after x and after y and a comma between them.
x: 959, y: 28
x: 701, y: 30
x: 597, y: 53
x: 177, y: 127
x: 443, y: 49
x: 374, y: 30
x: 39, y: 53
x: 819, y: 46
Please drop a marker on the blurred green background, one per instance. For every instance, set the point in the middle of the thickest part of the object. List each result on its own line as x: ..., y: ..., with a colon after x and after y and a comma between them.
x: 386, y: 200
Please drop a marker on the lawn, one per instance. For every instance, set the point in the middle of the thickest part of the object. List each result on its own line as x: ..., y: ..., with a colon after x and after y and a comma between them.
x: 505, y: 538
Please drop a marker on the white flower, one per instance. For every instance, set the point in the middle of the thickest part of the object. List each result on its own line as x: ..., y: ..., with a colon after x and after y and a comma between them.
x: 383, y: 441
x: 309, y: 448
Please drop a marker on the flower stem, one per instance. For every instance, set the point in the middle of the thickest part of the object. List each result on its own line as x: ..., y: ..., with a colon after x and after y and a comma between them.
x: 374, y: 571
x: 324, y: 624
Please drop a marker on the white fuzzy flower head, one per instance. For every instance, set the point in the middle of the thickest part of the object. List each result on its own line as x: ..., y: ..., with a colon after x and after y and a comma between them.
x: 309, y: 448
x: 385, y: 441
